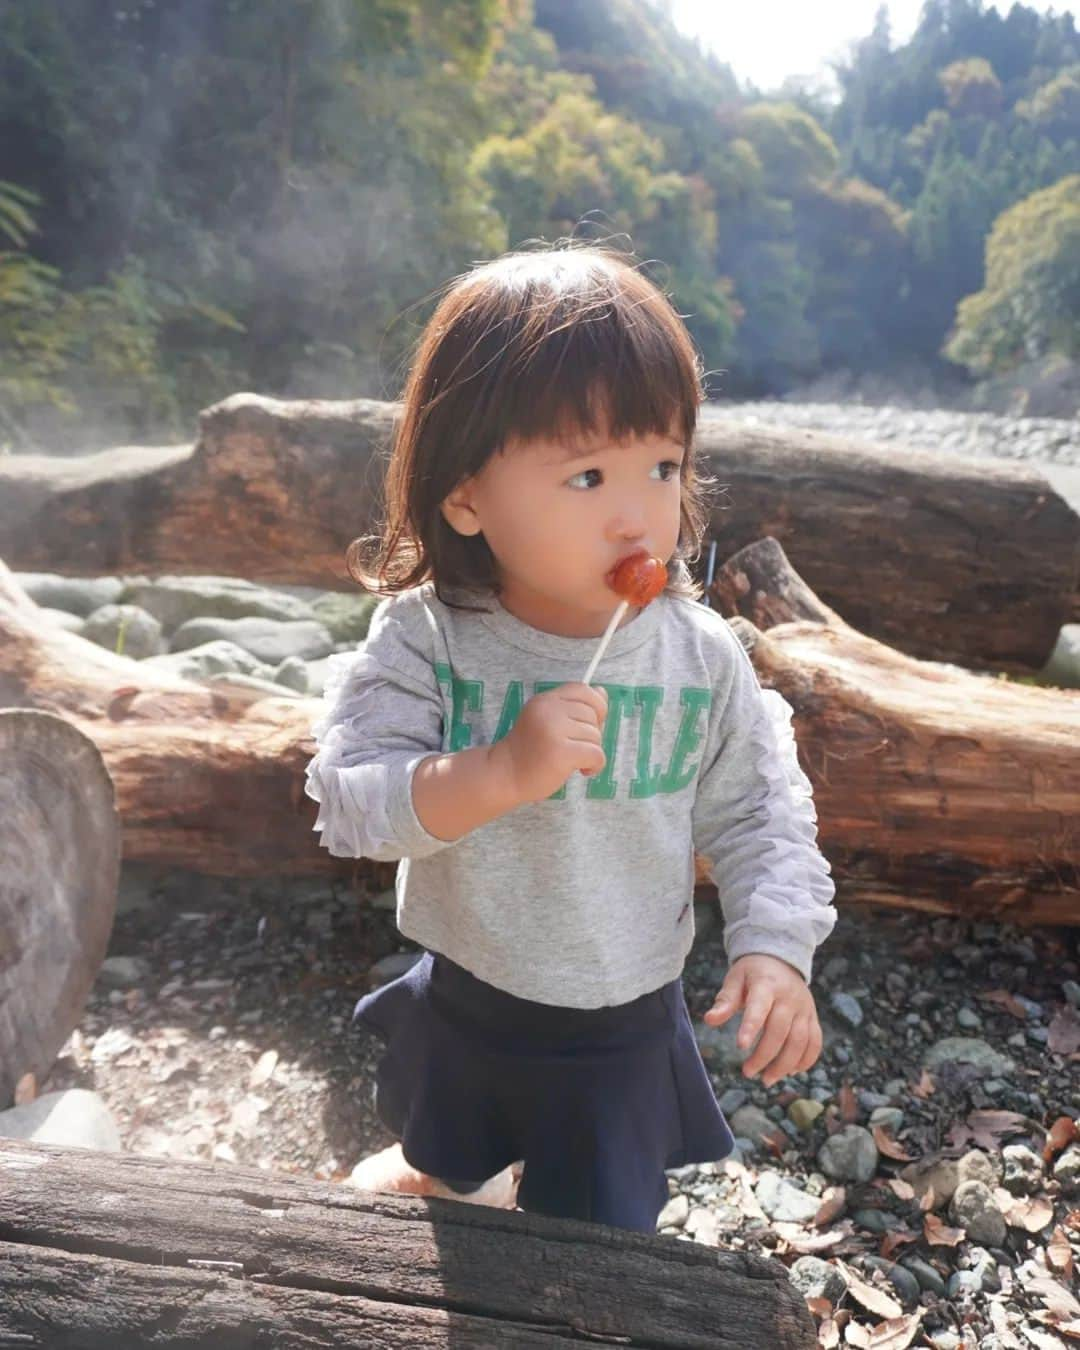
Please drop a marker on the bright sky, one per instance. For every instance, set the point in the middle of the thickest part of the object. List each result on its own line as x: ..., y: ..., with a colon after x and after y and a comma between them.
x: 767, y: 40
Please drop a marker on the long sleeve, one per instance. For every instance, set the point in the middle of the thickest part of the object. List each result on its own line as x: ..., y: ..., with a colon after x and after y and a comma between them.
x: 381, y: 715
x: 755, y: 821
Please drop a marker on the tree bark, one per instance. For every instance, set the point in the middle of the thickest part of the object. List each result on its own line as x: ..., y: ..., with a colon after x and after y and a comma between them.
x: 199, y: 1255
x: 59, y: 867
x: 962, y: 560
x: 936, y: 789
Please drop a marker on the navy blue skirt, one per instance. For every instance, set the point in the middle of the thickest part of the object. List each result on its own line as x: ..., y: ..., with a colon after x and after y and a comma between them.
x: 596, y: 1102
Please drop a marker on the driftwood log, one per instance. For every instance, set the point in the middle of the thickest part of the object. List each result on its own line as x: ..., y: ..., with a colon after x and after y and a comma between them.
x: 935, y: 788
x: 199, y: 1255
x: 59, y: 866
x: 960, y: 560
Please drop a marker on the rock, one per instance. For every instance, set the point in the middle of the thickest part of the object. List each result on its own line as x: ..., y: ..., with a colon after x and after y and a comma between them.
x: 675, y: 1212
x: 173, y: 600
x: 1071, y: 990
x: 122, y: 972
x: 847, y: 1008
x: 815, y: 1278
x: 718, y: 1044
x: 969, y: 1050
x: 60, y: 618
x: 211, y: 658
x: 347, y: 616
x: 978, y: 1166
x: 969, y: 1019
x: 292, y: 673
x: 752, y: 1123
x: 76, y: 1117
x: 803, y: 1112
x: 891, y: 1117
x: 903, y: 1281
x: 849, y: 1155
x: 1067, y: 1170
x: 972, y: 1208
x: 732, y: 1099
x: 783, y: 1201
x: 962, y: 1281
x: 392, y: 966
x: 267, y: 640
x: 927, y: 1276
x: 1023, y: 1169
x: 126, y: 630
x: 938, y: 1173
x: 75, y: 595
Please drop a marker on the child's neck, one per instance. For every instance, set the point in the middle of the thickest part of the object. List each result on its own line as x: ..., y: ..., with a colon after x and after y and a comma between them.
x: 550, y: 616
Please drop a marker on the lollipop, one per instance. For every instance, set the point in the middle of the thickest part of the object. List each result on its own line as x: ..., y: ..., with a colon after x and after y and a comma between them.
x: 636, y: 579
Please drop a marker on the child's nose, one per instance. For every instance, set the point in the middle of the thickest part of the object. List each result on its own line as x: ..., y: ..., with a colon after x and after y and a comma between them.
x: 628, y: 522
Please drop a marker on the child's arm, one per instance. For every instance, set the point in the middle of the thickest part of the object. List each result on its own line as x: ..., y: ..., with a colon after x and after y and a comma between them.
x: 754, y: 819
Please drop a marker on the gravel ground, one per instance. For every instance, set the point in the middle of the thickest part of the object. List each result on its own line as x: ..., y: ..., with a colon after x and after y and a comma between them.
x: 220, y: 1030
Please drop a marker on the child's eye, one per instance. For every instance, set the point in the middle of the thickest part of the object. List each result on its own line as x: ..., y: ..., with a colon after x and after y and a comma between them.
x: 669, y: 469
x: 594, y: 474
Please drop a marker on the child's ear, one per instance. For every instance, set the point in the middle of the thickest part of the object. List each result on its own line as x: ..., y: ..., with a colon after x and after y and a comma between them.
x: 458, y: 509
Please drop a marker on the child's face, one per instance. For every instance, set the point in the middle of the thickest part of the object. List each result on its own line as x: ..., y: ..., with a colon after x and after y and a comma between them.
x: 558, y: 517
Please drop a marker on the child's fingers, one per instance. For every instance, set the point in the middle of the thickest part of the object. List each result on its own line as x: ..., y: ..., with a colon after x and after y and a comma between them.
x: 728, y: 1001
x: 777, y: 1030
x: 813, y: 1047
x: 790, y: 1058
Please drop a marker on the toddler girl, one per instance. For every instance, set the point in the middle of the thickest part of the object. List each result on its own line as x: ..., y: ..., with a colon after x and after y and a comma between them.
x: 547, y: 828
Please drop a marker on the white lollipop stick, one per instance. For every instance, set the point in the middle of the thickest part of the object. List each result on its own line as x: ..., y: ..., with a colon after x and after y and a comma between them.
x: 624, y: 605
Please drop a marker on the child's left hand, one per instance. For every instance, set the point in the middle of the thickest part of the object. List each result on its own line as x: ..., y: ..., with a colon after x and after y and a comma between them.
x: 776, y: 998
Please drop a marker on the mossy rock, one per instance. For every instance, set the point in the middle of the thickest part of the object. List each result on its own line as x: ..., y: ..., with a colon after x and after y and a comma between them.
x: 347, y: 616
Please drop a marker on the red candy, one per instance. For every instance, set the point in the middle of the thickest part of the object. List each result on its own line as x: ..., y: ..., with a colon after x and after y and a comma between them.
x: 638, y: 578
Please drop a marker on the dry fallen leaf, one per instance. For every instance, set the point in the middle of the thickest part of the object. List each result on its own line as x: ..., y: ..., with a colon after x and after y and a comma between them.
x: 1006, y: 1001
x: 987, y: 1128
x: 897, y: 1333
x: 1063, y: 1131
x: 925, y: 1086
x: 875, y: 1300
x: 898, y: 1237
x: 887, y: 1145
x: 903, y: 1190
x: 856, y: 1334
x: 832, y: 1205
x: 828, y: 1334
x: 1056, y: 1297
x: 1059, y: 1254
x: 927, y: 1200
x: 849, y: 1107
x: 938, y: 1234
x: 1031, y: 1213
x: 264, y: 1068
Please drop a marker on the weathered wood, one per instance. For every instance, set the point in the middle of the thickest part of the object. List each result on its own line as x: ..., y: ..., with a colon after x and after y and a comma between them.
x: 953, y: 559
x: 59, y: 866
x: 935, y: 789
x: 92, y: 1242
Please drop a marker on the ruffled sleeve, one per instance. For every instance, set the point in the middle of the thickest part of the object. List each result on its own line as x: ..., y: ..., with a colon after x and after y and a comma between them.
x: 381, y: 715
x: 755, y: 820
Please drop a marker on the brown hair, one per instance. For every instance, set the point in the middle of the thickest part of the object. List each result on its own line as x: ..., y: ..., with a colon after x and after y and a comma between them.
x: 536, y: 344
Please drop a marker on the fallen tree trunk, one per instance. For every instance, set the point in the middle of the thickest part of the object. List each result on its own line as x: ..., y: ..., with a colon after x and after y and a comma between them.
x: 934, y: 787
x: 200, y: 1255
x: 952, y: 559
x: 59, y: 866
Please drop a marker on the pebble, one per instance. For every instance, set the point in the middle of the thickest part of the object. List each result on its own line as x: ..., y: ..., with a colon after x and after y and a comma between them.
x: 903, y: 1281
x: 847, y: 1007
x: 972, y: 1208
x: 849, y: 1155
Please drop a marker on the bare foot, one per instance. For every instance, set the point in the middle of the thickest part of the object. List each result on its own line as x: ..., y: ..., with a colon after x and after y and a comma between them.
x: 388, y: 1171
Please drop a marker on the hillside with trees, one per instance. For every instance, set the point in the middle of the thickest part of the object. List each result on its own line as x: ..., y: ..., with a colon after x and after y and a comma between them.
x: 197, y: 198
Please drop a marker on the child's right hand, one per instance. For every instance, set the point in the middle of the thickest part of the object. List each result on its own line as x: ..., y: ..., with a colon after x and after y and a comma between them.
x: 556, y: 733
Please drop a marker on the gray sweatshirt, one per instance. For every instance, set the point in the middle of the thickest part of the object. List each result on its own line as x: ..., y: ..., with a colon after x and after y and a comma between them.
x: 584, y: 899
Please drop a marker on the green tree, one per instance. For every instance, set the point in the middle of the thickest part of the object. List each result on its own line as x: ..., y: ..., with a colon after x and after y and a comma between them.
x: 1030, y: 305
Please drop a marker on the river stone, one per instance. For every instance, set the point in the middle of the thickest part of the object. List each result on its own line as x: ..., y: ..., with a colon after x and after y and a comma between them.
x: 718, y: 1044
x: 849, y: 1155
x: 266, y: 639
x: 60, y: 618
x: 347, y: 616
x: 76, y: 595
x: 903, y: 1281
x: 804, y: 1111
x: 175, y: 600
x: 211, y: 658
x: 76, y: 1117
x: 973, y: 1209
x: 783, y: 1201
x: 969, y: 1050
x: 978, y: 1166
x: 940, y: 1174
x: 752, y: 1123
x: 292, y: 673
x: 814, y: 1278
x: 1067, y: 1170
x: 126, y: 630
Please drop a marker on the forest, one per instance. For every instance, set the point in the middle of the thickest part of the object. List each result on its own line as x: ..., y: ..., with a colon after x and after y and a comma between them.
x: 204, y: 196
